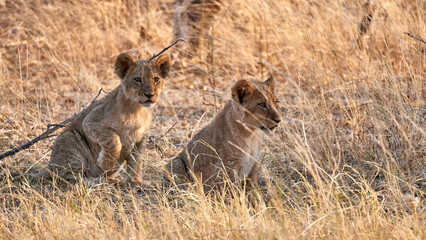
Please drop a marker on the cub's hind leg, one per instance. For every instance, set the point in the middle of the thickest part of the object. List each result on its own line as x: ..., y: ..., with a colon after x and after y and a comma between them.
x: 69, y: 158
x: 110, y: 144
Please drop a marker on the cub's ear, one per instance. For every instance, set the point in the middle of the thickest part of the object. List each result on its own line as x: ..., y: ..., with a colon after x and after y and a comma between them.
x: 163, y: 65
x: 122, y: 65
x: 271, y: 83
x: 242, y: 90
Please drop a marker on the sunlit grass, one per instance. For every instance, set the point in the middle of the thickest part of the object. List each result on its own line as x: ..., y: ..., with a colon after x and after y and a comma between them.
x: 347, y: 162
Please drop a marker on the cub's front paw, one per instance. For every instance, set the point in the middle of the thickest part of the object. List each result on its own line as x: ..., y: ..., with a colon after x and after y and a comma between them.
x: 133, y: 182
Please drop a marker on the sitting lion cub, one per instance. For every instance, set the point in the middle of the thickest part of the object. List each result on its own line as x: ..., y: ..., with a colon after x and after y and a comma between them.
x: 110, y: 131
x: 230, y: 144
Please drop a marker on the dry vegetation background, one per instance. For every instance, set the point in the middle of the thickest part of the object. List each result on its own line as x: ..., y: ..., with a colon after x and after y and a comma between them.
x: 348, y: 161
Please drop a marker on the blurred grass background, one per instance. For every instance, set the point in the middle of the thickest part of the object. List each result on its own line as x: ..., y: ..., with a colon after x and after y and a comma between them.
x: 348, y: 160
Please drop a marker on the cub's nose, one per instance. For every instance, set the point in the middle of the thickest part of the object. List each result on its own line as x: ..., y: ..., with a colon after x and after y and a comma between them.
x: 149, y: 95
x: 277, y: 120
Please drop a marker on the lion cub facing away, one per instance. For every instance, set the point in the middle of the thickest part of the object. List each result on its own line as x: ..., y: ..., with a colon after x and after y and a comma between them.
x: 110, y: 131
x: 230, y: 144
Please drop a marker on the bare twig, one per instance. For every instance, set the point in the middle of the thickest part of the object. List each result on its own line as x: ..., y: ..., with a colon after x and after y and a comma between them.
x: 174, y: 124
x: 153, y: 141
x: 47, y: 134
x: 165, y: 49
x: 421, y: 40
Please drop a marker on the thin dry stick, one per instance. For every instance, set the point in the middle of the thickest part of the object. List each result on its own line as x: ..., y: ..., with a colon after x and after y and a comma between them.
x: 47, y: 134
x: 153, y: 141
x: 421, y: 40
x: 165, y: 49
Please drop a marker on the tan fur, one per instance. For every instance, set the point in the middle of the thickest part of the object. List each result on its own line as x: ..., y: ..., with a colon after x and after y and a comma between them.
x: 110, y: 131
x: 193, y: 19
x: 230, y: 144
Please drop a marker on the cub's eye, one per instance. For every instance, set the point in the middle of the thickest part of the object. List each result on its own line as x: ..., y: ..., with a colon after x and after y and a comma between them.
x: 262, y: 105
x: 137, y: 79
x: 156, y: 79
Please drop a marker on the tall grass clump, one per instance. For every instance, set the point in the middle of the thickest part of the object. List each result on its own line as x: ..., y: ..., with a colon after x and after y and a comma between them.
x: 347, y: 162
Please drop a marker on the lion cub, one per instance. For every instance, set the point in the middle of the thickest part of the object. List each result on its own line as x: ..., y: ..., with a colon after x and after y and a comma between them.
x: 110, y: 131
x: 230, y: 144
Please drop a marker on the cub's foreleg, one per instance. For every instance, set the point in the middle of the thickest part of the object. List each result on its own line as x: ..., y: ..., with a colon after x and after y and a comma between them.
x: 110, y: 144
x: 178, y: 171
x: 135, y: 164
x: 253, y: 177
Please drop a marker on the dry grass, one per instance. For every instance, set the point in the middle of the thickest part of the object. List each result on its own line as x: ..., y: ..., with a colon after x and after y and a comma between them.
x: 348, y: 161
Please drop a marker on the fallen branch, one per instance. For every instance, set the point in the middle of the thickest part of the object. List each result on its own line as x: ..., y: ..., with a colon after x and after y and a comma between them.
x: 165, y: 49
x: 421, y: 40
x: 48, y: 133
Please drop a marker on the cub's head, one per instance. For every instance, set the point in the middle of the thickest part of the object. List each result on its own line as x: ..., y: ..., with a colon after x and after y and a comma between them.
x: 141, y: 80
x: 259, y: 103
